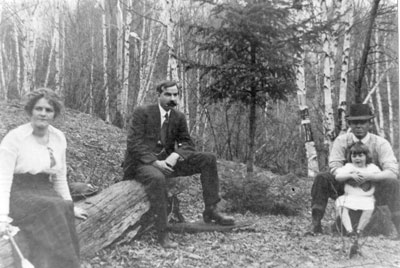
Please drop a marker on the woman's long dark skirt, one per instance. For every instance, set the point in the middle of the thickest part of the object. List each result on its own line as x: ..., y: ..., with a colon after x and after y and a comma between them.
x: 46, y: 220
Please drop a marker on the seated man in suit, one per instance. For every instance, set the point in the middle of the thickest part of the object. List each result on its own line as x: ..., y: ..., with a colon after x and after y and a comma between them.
x: 159, y: 146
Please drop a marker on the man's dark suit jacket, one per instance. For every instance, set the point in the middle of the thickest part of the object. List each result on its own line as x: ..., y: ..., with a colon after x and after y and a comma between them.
x: 144, y: 141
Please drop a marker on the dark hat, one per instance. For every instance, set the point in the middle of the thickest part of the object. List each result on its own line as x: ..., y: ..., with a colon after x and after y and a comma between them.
x: 359, y: 112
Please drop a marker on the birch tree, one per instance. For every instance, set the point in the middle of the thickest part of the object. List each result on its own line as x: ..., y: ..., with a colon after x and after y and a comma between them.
x: 329, y: 123
x: 150, y: 46
x: 57, y: 54
x: 120, y: 63
x: 29, y: 24
x: 312, y: 160
x: 127, y: 44
x: 17, y: 58
x: 380, y: 129
x: 389, y: 94
x: 347, y: 12
x: 3, y: 89
x: 105, y: 60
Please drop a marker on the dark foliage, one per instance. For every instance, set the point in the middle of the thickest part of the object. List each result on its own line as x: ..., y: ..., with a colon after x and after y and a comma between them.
x: 255, y: 45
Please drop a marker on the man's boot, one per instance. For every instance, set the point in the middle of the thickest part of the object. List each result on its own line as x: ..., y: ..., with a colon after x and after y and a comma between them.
x: 211, y: 214
x: 316, y: 220
x: 165, y: 241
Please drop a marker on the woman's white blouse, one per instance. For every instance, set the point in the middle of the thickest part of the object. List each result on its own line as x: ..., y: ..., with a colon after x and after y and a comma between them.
x: 21, y: 153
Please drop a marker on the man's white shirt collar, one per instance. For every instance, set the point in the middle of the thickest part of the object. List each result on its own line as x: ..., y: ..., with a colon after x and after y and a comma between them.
x: 364, y: 140
x: 163, y: 113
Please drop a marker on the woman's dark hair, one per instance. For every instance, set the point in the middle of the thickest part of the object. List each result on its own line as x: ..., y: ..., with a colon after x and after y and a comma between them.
x: 359, y: 148
x: 165, y: 84
x: 34, y: 96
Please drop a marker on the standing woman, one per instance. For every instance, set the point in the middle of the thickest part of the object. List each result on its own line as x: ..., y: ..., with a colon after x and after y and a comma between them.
x: 34, y: 193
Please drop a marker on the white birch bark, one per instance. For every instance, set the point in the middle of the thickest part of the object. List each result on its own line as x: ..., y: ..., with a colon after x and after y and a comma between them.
x: 389, y: 96
x: 168, y: 20
x: 28, y: 49
x: 380, y: 129
x: 48, y: 70
x: 347, y: 12
x: 329, y: 125
x: 375, y: 87
x: 91, y: 100
x: 198, y: 88
x: 120, y: 60
x: 141, y: 60
x: 105, y: 60
x: 152, y: 63
x: 3, y: 89
x: 125, y: 87
x: 17, y: 59
x: 57, y: 61
x: 149, y: 60
x: 312, y: 160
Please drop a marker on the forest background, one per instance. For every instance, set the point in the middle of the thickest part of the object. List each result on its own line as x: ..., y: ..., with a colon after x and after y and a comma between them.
x: 262, y: 82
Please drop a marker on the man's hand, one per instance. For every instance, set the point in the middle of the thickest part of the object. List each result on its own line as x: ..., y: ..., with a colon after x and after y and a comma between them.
x: 163, y: 166
x: 356, y: 179
x: 172, y: 159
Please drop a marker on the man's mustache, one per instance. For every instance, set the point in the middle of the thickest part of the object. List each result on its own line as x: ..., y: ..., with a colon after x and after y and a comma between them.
x: 172, y: 104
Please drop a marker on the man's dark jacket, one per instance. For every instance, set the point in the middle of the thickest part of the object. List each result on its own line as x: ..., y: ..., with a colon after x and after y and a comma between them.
x: 144, y: 142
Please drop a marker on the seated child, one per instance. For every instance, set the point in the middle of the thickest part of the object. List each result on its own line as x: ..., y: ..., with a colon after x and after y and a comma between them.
x: 359, y: 194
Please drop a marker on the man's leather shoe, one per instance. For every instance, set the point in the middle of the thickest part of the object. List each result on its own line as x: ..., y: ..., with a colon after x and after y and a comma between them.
x: 211, y: 214
x: 165, y: 241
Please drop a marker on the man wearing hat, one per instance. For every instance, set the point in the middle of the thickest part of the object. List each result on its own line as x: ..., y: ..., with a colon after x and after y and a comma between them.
x: 387, y: 183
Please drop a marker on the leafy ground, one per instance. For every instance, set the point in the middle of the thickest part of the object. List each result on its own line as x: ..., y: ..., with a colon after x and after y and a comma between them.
x: 94, y: 155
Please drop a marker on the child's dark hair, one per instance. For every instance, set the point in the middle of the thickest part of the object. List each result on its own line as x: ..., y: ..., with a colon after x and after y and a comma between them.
x: 359, y: 148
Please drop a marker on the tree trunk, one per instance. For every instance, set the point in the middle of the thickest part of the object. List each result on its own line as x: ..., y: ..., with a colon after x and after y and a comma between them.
x: 17, y: 59
x: 252, y: 119
x: 348, y: 13
x: 381, y: 130
x: 127, y: 44
x: 312, y: 159
x: 57, y: 60
x: 51, y: 55
x: 364, y: 56
x: 120, y: 115
x: 389, y: 96
x: 91, y: 82
x: 105, y: 60
x: 172, y: 71
x: 329, y: 123
x: 28, y: 48
x: 3, y: 90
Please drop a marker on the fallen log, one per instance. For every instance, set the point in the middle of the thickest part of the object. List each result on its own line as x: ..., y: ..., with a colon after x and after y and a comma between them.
x: 112, y: 213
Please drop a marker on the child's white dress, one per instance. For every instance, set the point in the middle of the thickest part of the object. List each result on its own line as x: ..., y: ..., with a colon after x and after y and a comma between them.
x: 356, y: 198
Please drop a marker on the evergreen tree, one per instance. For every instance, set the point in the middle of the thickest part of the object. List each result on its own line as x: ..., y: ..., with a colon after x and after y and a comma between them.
x: 255, y: 44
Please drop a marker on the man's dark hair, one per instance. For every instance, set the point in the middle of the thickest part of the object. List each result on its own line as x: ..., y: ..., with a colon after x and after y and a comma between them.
x: 165, y: 84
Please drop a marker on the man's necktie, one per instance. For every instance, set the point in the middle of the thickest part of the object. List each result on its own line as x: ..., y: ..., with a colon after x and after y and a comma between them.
x: 164, y: 130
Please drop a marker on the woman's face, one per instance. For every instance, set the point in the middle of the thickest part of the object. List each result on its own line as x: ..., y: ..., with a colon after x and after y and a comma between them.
x: 42, y: 114
x: 359, y: 159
